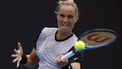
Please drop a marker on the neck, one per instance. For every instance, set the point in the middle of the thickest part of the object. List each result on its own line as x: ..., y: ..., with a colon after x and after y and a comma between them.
x: 62, y: 35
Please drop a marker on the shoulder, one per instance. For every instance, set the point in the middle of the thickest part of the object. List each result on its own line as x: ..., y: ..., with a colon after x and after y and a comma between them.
x: 47, y: 31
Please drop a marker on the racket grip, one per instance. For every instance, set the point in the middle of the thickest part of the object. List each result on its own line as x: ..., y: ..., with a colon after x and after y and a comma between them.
x: 68, y: 55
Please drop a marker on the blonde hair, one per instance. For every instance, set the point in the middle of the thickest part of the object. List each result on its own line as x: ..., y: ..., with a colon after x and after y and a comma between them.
x: 67, y: 2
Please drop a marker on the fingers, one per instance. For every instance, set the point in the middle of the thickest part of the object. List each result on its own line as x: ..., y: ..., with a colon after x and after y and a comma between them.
x: 64, y: 60
x: 59, y: 59
x: 13, y: 55
x: 18, y: 62
x: 18, y: 54
x: 20, y: 49
x: 19, y: 46
x: 61, y: 62
x: 15, y: 51
x: 16, y: 59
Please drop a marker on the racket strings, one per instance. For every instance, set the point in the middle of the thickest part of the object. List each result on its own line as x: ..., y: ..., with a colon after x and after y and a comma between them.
x: 98, y: 37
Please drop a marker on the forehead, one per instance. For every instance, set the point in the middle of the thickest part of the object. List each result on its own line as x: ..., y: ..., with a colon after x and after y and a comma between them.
x: 66, y: 9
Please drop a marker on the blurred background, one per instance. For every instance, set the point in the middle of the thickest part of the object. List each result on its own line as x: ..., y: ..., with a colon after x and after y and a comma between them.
x: 23, y: 20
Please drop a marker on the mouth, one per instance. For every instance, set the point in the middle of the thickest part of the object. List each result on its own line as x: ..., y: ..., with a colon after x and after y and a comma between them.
x: 64, y: 24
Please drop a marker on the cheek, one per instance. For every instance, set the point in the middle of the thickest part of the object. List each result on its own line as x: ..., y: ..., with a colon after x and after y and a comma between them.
x: 72, y: 22
x: 71, y: 25
x: 59, y: 19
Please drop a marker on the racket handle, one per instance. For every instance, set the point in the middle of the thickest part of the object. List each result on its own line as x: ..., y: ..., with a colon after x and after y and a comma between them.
x: 68, y: 55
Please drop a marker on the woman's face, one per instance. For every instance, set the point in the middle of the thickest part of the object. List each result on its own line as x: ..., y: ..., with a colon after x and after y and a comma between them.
x: 66, y: 17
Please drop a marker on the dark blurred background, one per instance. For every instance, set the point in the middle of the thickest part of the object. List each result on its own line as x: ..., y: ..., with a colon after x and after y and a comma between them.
x: 22, y: 20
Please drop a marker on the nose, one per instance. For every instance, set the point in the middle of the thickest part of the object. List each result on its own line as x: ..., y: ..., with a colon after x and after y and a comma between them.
x: 65, y: 19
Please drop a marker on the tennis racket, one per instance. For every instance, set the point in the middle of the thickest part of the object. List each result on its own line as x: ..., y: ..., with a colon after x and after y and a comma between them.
x: 94, y: 39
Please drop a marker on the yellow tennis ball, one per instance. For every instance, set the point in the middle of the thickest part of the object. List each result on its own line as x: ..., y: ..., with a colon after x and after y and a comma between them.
x: 79, y: 45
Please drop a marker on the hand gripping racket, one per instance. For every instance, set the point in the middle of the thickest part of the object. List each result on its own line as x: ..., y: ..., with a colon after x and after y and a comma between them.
x: 93, y: 39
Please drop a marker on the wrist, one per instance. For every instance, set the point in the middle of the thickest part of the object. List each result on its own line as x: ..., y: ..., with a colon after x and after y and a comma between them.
x: 24, y: 59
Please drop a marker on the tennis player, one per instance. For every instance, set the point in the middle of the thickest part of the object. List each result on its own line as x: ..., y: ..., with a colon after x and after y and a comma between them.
x: 53, y: 43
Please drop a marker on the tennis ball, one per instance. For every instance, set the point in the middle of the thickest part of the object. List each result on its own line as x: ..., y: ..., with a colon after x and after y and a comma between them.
x: 79, y: 45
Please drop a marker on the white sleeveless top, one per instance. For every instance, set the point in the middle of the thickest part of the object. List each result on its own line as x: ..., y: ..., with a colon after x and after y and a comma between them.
x: 48, y: 48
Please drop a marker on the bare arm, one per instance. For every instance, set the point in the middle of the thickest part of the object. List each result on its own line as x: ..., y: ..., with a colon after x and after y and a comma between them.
x: 32, y: 59
x: 63, y: 62
x: 76, y: 65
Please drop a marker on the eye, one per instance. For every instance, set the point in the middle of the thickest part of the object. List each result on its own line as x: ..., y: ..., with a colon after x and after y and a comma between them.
x: 61, y: 15
x: 70, y: 16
